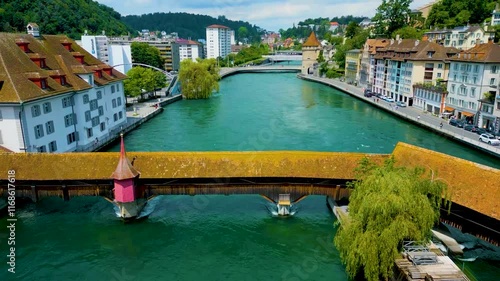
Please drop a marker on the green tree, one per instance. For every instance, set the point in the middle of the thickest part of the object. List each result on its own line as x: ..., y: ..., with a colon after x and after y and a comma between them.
x: 391, y: 15
x: 408, y: 32
x: 242, y: 33
x: 388, y: 205
x: 146, y: 54
x: 352, y: 29
x: 321, y: 58
x: 199, y: 79
x: 142, y: 80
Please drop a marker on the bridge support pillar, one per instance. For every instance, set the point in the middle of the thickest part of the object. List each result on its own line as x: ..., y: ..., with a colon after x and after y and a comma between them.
x: 284, y: 205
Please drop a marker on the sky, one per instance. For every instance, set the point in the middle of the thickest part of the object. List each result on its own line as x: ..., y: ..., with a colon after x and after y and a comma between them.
x: 268, y: 14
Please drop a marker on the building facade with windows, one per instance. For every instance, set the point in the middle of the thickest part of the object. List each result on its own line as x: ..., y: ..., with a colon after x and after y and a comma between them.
x: 462, y: 37
x: 55, y: 96
x: 473, y: 85
x: 189, y: 49
x: 218, y: 41
x: 405, y: 62
x: 366, y: 71
x: 352, y: 65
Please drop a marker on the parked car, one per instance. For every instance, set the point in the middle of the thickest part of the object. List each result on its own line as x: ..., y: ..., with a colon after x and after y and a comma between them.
x: 489, y: 139
x: 470, y: 127
x: 368, y: 93
x: 457, y: 123
x: 388, y: 99
x: 481, y: 131
x: 401, y: 104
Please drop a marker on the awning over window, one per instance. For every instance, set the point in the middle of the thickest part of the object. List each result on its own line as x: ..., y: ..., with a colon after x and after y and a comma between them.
x: 447, y: 108
x: 467, y: 114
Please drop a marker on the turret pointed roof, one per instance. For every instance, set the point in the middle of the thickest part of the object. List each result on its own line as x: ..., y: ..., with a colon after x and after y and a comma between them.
x: 124, y: 169
x: 312, y: 41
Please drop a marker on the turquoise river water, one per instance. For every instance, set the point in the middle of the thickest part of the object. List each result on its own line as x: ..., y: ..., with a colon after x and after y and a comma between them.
x: 221, y: 237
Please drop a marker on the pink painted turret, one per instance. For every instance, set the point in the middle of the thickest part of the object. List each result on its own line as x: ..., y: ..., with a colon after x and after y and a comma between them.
x: 125, y: 186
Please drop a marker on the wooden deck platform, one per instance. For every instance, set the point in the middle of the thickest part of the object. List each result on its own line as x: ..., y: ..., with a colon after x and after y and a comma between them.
x: 443, y: 270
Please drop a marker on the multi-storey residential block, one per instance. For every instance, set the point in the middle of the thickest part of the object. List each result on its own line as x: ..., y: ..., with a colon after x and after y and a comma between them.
x: 55, y: 96
x: 119, y: 55
x: 218, y: 41
x: 495, y: 18
x: 430, y: 97
x: 405, y: 62
x: 473, y: 85
x: 189, y: 49
x: 352, y: 64
x: 367, y: 70
x: 462, y: 37
x: 310, y: 53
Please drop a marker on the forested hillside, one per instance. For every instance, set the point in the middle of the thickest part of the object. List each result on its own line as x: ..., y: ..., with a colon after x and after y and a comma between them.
x: 452, y: 13
x: 322, y: 26
x: 70, y: 17
x: 191, y: 25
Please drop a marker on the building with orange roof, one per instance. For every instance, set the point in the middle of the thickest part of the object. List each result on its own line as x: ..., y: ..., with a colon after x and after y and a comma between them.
x: 333, y: 26
x: 54, y: 95
x: 405, y: 62
x: 218, y: 41
x: 473, y: 85
x: 310, y: 53
x: 367, y: 68
x: 188, y: 49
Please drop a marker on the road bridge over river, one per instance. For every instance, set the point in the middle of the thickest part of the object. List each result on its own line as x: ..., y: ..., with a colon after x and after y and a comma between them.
x: 474, y: 188
x: 226, y: 71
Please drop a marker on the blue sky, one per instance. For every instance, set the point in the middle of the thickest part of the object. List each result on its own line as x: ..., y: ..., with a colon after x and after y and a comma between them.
x: 268, y: 14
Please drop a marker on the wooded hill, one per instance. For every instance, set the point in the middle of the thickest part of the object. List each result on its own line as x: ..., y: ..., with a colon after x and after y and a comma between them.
x: 190, y: 25
x: 70, y: 17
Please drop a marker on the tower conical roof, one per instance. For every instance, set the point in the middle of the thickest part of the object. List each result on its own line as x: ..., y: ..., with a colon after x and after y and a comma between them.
x: 312, y: 41
x: 124, y: 169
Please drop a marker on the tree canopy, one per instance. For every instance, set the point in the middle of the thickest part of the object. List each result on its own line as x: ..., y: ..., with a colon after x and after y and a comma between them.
x: 452, y: 13
x: 70, y: 17
x: 388, y: 205
x: 142, y: 80
x: 190, y: 25
x: 322, y: 26
x: 144, y: 53
x: 199, y: 79
x: 392, y: 15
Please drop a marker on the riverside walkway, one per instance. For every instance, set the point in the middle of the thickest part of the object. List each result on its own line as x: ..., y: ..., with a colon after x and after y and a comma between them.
x: 415, y: 115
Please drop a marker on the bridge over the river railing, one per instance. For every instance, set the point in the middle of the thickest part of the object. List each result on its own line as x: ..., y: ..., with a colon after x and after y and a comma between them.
x: 474, y: 188
x: 226, y: 71
x: 283, y: 57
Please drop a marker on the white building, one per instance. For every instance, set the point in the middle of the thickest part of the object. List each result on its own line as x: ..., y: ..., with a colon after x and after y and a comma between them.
x: 218, y: 41
x: 54, y: 96
x: 495, y: 18
x: 462, y: 37
x: 113, y: 54
x: 233, y: 38
x: 189, y: 49
x: 474, y: 73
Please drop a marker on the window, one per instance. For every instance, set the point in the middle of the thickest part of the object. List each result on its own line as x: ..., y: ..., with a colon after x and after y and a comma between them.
x: 1, y: 139
x: 115, y: 117
x: 95, y: 121
x: 112, y: 89
x: 103, y: 126
x: 469, y: 68
x: 49, y: 127
x: 38, y: 131
x: 439, y: 75
x: 474, y: 80
x: 440, y: 65
x: 93, y: 105
x: 101, y: 111
x: 87, y: 116
x: 67, y: 102
x: 462, y: 67
x: 85, y: 99
x: 455, y: 66
x: 492, y: 82
x: 43, y: 84
x: 113, y: 102
x: 35, y: 111
x: 71, y: 138
x: 99, y: 95
x: 90, y: 132
x: 120, y: 115
x: 1, y: 115
x: 41, y: 148
x: 494, y: 69
x: 473, y: 92
x: 476, y: 68
x: 452, y: 88
x: 69, y: 120
x: 47, y: 107
x: 52, y: 146
x: 117, y: 87
x: 119, y: 101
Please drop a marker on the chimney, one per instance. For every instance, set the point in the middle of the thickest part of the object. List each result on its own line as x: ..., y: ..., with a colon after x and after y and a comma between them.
x: 397, y: 37
x: 33, y: 29
x: 103, y: 32
x: 417, y: 42
x: 425, y: 38
x: 478, y: 41
x: 490, y: 40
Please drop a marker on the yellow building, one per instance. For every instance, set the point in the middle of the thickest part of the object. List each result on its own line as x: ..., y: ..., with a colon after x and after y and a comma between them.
x: 352, y: 65
x: 310, y: 53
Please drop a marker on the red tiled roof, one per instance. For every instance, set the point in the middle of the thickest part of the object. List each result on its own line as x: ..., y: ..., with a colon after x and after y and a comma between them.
x: 487, y: 52
x: 124, y: 169
x: 312, y: 41
x: 334, y: 23
x: 217, y: 26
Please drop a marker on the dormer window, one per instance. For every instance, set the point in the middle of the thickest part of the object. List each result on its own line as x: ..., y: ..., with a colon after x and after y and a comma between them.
x: 59, y: 78
x: 43, y: 83
x: 23, y: 45
x: 79, y: 57
x: 40, y: 82
x: 67, y: 45
x: 98, y: 73
x: 429, y: 54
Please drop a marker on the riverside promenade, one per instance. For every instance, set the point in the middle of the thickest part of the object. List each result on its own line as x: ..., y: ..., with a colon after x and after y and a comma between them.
x: 412, y: 114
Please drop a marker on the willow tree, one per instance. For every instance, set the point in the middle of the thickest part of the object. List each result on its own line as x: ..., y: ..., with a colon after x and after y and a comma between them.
x: 388, y: 205
x: 199, y: 79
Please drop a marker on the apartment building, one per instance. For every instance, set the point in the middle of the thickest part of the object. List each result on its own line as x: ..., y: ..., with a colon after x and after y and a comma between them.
x: 189, y: 49
x: 366, y: 72
x: 462, y: 37
x: 405, y: 62
x: 55, y: 96
x: 352, y: 64
x: 218, y: 41
x: 100, y: 46
x: 473, y: 85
